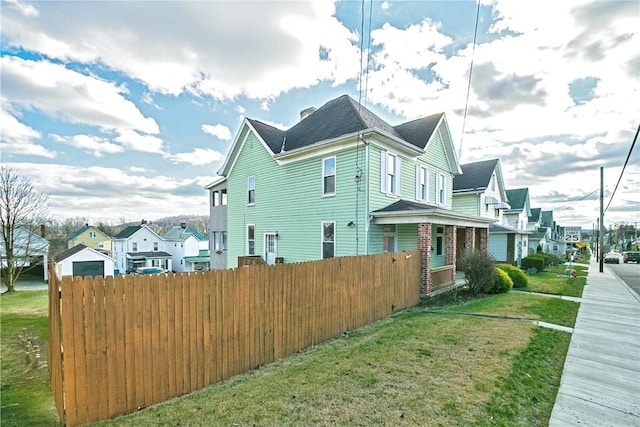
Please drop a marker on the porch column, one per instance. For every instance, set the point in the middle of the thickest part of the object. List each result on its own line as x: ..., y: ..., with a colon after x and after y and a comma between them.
x: 450, y: 240
x: 424, y: 244
x: 470, y: 240
x: 484, y: 239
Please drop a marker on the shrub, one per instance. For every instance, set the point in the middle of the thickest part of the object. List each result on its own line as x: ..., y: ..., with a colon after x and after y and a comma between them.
x: 517, y: 276
x: 555, y: 259
x: 480, y: 271
x: 503, y: 282
x: 534, y: 261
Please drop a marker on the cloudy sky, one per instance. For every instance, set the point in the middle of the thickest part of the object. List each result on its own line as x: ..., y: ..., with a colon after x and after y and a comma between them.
x: 123, y: 110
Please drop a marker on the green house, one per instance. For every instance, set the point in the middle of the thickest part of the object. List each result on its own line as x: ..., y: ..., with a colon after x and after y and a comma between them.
x: 343, y: 182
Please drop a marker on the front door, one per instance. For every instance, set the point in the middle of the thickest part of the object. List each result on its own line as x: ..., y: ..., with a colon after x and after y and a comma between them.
x: 270, y: 248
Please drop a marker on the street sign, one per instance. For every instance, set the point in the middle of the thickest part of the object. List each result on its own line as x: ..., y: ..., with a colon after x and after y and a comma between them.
x: 572, y: 234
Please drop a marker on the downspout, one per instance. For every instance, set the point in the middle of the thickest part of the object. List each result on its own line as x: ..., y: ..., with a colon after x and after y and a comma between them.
x: 366, y: 199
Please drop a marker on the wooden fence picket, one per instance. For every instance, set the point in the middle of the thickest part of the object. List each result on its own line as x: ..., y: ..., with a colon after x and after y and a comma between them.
x: 120, y: 344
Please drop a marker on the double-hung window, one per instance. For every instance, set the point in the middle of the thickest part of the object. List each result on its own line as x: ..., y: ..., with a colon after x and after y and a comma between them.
x: 329, y: 176
x: 328, y: 239
x: 442, y: 189
x: 251, y: 190
x: 390, y: 173
x: 422, y: 184
x: 251, y: 239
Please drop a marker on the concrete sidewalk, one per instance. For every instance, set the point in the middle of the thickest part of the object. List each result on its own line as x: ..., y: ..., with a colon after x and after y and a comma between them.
x: 600, y: 383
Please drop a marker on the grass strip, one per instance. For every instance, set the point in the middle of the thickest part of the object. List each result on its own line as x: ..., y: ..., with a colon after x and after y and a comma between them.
x: 521, y: 306
x: 551, y: 283
x: 526, y: 396
x: 25, y: 391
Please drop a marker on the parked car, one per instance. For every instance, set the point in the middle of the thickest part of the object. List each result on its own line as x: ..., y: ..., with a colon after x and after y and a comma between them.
x: 612, y: 258
x: 631, y: 256
x: 149, y: 270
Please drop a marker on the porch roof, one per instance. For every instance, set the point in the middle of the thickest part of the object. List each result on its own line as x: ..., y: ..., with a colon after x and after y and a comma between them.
x: 148, y: 255
x: 407, y: 212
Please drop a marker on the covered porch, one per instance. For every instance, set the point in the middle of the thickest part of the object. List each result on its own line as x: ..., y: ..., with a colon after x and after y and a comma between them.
x: 442, y: 236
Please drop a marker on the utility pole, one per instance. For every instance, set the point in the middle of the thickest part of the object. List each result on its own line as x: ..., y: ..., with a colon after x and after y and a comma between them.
x: 601, y: 225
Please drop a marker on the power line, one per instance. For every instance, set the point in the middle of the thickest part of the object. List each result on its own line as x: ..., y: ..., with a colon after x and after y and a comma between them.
x: 466, y: 104
x: 635, y: 138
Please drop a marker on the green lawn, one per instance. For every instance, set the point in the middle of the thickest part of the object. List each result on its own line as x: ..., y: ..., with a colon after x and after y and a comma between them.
x: 25, y: 396
x: 416, y: 367
x: 557, y: 284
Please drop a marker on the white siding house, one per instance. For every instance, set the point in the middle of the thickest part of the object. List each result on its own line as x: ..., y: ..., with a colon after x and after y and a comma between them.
x: 83, y: 261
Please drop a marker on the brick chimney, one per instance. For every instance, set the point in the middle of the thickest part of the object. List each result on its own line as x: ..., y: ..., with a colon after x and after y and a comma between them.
x: 183, y: 225
x: 43, y: 230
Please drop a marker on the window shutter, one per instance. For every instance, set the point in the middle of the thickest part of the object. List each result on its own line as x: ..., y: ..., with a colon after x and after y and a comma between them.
x: 398, y: 176
x: 418, y: 177
x: 383, y: 171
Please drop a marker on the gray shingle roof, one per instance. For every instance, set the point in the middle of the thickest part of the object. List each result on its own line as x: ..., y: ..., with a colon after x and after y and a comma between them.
x: 475, y: 176
x: 69, y: 252
x: 338, y: 117
x: 127, y: 232
x: 405, y: 205
x: 517, y: 198
x: 535, y: 214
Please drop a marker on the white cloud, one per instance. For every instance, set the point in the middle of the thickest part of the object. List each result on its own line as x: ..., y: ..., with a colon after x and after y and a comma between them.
x: 219, y: 131
x: 139, y: 142
x: 90, y: 143
x: 59, y: 91
x: 119, y: 194
x: 18, y: 138
x: 259, y: 49
x: 24, y: 8
x: 198, y: 157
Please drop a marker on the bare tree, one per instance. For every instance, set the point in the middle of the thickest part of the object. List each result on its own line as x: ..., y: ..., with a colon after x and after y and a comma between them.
x: 22, y: 211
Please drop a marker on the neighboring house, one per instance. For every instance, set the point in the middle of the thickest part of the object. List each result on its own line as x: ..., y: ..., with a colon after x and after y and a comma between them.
x: 509, y: 241
x: 29, y: 249
x: 218, y: 223
x: 139, y: 246
x: 555, y: 245
x: 480, y: 191
x: 539, y: 237
x: 344, y: 182
x: 188, y: 247
x: 83, y: 261
x: 91, y: 237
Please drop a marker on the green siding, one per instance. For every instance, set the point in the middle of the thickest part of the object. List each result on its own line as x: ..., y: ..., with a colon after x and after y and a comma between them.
x: 289, y: 200
x: 466, y: 203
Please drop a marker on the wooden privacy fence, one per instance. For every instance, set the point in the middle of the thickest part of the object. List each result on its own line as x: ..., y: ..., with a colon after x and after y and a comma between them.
x: 117, y: 345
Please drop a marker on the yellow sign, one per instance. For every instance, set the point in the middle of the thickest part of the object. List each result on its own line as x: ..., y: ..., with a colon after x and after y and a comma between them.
x: 580, y: 245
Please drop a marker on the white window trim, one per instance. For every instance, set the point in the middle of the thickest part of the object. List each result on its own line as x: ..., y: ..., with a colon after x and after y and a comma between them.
x: 249, y: 189
x: 322, y: 223
x: 384, y: 172
x: 442, y: 189
x: 422, y: 172
x: 335, y: 176
x: 247, y: 239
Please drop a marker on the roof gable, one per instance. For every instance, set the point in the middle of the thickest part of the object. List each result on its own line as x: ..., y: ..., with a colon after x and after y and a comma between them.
x: 518, y: 198
x: 127, y: 232
x: 475, y: 176
x: 75, y: 250
x: 342, y: 117
x: 179, y: 233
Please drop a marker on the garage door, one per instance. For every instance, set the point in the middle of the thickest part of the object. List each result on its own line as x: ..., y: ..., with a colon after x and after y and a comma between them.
x: 88, y: 268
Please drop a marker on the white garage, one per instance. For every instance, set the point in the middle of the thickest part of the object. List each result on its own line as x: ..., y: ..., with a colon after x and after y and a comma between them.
x: 83, y: 261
